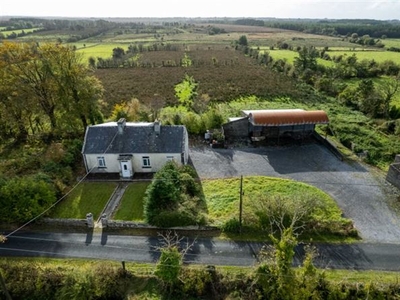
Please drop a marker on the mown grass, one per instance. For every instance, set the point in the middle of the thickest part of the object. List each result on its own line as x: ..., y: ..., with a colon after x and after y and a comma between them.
x: 131, y: 206
x: 88, y: 197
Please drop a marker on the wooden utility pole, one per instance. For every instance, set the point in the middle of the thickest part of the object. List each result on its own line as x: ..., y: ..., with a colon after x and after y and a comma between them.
x: 241, y: 203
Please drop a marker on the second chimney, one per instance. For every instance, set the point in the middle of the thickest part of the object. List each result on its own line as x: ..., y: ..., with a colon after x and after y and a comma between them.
x: 121, y: 125
x: 157, y: 127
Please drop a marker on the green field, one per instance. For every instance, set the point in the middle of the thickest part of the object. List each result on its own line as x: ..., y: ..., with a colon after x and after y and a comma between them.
x: 391, y: 43
x: 18, y: 31
x: 378, y: 56
x: 103, y: 50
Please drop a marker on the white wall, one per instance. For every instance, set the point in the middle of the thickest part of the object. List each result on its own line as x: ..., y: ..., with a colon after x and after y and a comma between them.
x: 111, y: 160
x: 157, y: 161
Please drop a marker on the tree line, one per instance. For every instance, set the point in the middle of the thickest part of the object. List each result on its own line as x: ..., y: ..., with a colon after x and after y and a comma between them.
x: 44, y: 88
x: 373, y: 28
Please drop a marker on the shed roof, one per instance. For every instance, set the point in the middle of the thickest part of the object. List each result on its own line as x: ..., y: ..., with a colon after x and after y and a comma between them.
x: 287, y: 117
x: 135, y: 138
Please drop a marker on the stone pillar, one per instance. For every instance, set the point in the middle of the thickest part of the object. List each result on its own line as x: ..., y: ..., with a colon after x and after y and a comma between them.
x: 104, y: 221
x: 89, y: 220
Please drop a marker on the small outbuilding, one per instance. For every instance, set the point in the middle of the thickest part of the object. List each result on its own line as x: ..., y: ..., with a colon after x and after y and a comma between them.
x: 124, y: 148
x: 273, y: 123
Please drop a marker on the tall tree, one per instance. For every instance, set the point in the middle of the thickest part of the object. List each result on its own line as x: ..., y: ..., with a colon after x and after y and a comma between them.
x: 55, y: 81
x: 307, y: 59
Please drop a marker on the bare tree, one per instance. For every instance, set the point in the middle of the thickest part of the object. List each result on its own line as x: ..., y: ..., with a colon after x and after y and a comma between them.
x: 173, y: 249
x: 279, y: 213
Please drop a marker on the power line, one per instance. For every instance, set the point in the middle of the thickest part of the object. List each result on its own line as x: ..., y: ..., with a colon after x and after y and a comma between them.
x: 59, y: 200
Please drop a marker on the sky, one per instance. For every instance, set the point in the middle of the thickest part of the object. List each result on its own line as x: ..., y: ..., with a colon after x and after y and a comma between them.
x: 314, y: 9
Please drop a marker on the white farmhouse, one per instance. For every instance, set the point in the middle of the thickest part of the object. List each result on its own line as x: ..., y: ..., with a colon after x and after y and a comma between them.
x: 123, y: 148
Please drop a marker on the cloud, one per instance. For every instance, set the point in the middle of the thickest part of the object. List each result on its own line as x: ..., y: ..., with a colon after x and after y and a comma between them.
x: 338, y: 9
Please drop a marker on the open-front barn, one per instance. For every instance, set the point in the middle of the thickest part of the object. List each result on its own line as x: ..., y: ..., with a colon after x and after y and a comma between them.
x: 258, y: 125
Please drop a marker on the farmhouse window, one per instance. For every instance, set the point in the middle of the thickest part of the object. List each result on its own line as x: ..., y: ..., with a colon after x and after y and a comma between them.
x: 146, y: 162
x: 101, y: 162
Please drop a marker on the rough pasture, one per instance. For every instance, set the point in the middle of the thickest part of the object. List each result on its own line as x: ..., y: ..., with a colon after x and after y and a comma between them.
x: 222, y: 73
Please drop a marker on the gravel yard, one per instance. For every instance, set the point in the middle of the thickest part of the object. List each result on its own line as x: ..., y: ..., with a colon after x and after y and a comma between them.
x: 360, y: 191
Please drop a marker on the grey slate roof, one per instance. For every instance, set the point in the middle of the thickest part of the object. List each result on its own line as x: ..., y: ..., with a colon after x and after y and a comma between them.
x: 134, y: 139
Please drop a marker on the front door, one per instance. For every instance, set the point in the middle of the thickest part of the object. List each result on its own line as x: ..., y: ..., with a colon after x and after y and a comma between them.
x: 126, y: 168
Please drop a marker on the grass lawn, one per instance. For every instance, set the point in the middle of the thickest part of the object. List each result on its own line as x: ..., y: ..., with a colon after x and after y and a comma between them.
x: 86, y: 197
x: 131, y: 207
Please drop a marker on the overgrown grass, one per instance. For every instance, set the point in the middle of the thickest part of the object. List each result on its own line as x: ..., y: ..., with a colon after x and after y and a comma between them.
x: 131, y: 206
x: 70, y: 278
x: 88, y: 197
x: 362, y: 277
x: 222, y: 196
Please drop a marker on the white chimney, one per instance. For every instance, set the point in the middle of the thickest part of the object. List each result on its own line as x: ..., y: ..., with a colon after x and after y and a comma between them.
x: 121, y: 125
x: 157, y: 127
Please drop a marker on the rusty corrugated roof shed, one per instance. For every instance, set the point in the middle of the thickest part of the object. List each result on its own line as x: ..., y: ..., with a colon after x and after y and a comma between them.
x: 287, y: 117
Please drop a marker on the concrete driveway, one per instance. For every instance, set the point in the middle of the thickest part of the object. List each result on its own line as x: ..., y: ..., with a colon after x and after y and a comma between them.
x: 360, y: 191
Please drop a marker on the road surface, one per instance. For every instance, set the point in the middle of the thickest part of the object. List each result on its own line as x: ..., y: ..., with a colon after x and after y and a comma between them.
x: 209, y: 251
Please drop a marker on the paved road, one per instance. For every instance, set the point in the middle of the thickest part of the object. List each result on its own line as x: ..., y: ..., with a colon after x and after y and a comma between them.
x: 363, y: 256
x: 361, y: 192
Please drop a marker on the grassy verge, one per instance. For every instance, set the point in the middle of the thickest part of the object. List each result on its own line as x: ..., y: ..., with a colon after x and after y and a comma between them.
x: 86, y: 197
x: 71, y: 278
x: 222, y: 197
x: 131, y: 206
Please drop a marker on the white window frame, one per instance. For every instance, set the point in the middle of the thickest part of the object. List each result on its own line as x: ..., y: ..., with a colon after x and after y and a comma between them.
x: 170, y: 158
x: 101, y: 162
x: 146, y: 162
